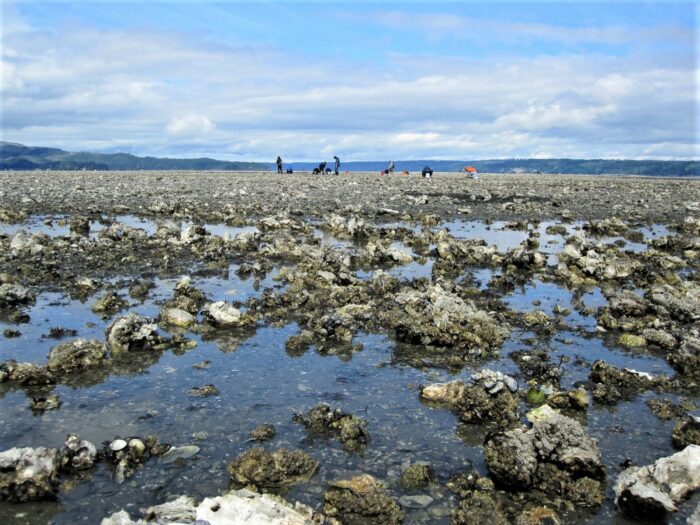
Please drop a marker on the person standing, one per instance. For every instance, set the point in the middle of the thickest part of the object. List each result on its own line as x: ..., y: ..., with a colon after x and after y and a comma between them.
x: 337, y: 164
x: 390, y: 169
x: 279, y: 164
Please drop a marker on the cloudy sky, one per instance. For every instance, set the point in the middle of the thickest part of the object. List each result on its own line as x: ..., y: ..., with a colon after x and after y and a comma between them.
x: 406, y: 80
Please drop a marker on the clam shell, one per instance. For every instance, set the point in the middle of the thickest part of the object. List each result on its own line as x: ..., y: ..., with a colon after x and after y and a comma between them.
x: 117, y: 445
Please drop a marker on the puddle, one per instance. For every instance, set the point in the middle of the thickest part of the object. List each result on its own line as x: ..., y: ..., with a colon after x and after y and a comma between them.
x: 259, y: 382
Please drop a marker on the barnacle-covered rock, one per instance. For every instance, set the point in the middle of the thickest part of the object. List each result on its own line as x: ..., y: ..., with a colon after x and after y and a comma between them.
x: 322, y: 420
x: 361, y: 500
x: 555, y: 456
x: 261, y: 469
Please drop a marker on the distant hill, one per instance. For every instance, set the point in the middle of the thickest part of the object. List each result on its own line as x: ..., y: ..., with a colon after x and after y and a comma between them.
x: 19, y: 157
x: 669, y: 168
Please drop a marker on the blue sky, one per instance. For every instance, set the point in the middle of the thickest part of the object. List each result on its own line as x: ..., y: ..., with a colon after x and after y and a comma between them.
x: 366, y: 80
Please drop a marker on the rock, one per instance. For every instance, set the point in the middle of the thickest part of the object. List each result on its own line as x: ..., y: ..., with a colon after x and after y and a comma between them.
x: 611, y: 383
x: 538, y: 516
x: 448, y: 393
x: 28, y: 474
x: 109, y: 304
x: 180, y: 510
x: 665, y: 409
x: 577, y: 399
x: 21, y: 242
x: 177, y: 317
x: 686, y: 432
x: 478, y: 507
x: 139, y: 289
x: 264, y: 470
x: 659, y: 338
x: 132, y: 333
x: 77, y: 454
x: 416, y: 476
x: 652, y: 491
x: 222, y: 314
x: 632, y: 341
x: 555, y: 456
x: 25, y: 373
x: 490, y: 397
x: 540, y: 414
x: 193, y: 233
x: 686, y: 358
x: 362, y: 499
x: 263, y: 432
x: 120, y: 518
x: 243, y: 507
x: 14, y: 294
x: 322, y: 420
x: 203, y: 391
x: 79, y: 225
x: 41, y: 403
x: 76, y: 355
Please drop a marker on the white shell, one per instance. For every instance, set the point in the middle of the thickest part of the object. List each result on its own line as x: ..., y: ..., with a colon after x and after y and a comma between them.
x: 117, y: 445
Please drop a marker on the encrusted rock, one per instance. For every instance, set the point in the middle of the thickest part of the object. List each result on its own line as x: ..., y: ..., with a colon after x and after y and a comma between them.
x: 76, y: 355
x: 14, y: 295
x: 109, y: 304
x: 416, y: 476
x: 25, y: 373
x: 132, y: 332
x: 556, y: 456
x: 686, y: 432
x: 177, y: 317
x: 263, y: 432
x: 203, y: 391
x: 350, y: 430
x: 610, y: 383
x: 264, y: 470
x: 28, y: 474
x: 361, y: 500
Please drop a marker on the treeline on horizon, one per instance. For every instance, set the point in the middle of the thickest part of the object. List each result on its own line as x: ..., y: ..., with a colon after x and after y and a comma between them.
x: 19, y: 157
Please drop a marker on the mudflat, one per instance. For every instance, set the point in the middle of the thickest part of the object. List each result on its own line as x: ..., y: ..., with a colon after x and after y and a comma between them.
x: 513, y: 349
x: 493, y: 196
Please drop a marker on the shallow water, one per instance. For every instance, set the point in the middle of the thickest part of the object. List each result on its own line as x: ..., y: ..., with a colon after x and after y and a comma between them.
x: 259, y: 382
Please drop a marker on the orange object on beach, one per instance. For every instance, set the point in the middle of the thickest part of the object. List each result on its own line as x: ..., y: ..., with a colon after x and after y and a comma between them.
x: 404, y: 173
x: 470, y: 169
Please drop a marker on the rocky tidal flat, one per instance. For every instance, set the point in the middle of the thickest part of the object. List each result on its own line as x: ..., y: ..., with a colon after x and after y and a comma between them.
x: 219, y: 347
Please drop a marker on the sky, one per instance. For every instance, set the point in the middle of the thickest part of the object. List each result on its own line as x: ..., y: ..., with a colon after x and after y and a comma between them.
x: 363, y: 80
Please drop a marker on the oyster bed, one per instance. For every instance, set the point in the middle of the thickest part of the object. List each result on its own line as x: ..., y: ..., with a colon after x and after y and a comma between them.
x: 388, y: 335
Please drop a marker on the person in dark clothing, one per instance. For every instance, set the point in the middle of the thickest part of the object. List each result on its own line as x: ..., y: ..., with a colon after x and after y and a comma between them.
x: 337, y: 164
x: 279, y: 164
x: 427, y: 172
x: 322, y: 167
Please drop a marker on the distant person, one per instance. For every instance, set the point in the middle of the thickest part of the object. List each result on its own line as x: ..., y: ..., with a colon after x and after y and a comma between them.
x: 390, y: 169
x: 279, y: 164
x: 337, y: 164
x: 427, y: 172
x: 322, y: 167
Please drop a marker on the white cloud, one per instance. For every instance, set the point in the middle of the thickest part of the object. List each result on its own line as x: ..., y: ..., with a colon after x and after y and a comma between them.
x: 190, y: 125
x: 113, y: 90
